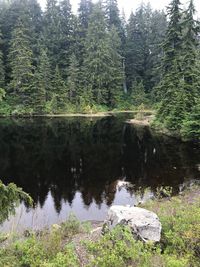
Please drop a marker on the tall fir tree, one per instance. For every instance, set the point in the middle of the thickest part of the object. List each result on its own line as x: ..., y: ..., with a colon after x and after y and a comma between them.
x: 66, y: 38
x: 42, y: 82
x: 2, y: 67
x: 113, y: 19
x: 180, y: 84
x: 139, y: 47
x: 170, y: 88
x: 172, y: 45
x: 97, y: 58
x: 103, y: 63
x: 59, y: 95
x: 21, y: 64
x: 52, y: 32
x: 84, y: 12
x: 190, y: 66
x: 115, y: 88
x: 73, y: 84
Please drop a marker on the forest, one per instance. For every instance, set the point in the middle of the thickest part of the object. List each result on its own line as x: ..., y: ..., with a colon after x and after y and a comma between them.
x: 55, y: 61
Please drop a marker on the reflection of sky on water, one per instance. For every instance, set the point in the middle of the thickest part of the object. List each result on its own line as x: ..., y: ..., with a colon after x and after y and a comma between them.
x: 47, y: 215
x: 75, y: 165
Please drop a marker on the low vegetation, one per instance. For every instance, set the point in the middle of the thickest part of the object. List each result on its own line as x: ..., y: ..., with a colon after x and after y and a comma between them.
x: 179, y: 246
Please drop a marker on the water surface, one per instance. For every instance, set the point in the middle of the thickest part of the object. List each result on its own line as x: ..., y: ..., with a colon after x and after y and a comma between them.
x: 79, y: 164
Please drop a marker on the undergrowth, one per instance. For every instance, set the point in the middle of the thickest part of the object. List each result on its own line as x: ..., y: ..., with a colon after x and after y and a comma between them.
x: 179, y: 246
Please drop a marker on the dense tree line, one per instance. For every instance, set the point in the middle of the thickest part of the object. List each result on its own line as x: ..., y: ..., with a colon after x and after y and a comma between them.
x: 56, y: 61
x: 179, y: 88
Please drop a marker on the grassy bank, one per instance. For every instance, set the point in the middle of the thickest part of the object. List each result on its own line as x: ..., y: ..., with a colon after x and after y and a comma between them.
x: 81, y: 244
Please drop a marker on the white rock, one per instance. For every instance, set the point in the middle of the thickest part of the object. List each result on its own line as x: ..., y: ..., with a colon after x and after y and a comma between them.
x: 144, y: 224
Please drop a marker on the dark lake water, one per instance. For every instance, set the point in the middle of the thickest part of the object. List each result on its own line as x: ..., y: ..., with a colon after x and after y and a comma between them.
x: 79, y: 165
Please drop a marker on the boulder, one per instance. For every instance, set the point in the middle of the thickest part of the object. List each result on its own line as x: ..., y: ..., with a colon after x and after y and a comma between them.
x: 144, y: 224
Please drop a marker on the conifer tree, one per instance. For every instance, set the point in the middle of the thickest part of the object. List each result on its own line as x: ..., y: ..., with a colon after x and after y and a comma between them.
x: 190, y: 67
x: 113, y: 19
x: 59, y: 91
x: 2, y: 68
x: 66, y: 38
x: 115, y: 88
x: 84, y: 12
x: 97, y: 58
x: 21, y: 64
x: 138, y: 53
x: 180, y: 84
x: 52, y: 32
x: 73, y: 81
x: 191, y: 125
x: 42, y: 82
x: 171, y: 85
x: 172, y: 45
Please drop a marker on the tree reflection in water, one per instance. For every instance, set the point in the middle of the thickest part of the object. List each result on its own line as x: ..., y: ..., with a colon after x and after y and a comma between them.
x: 69, y: 155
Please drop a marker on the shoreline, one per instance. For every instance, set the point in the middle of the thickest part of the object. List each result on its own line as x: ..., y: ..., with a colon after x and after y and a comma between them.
x: 87, y: 115
x: 178, y: 215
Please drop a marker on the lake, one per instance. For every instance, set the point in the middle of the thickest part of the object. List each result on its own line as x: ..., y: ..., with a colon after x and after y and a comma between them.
x: 85, y: 165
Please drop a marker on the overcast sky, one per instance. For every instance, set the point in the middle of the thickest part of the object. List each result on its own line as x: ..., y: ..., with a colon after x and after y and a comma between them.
x: 129, y: 5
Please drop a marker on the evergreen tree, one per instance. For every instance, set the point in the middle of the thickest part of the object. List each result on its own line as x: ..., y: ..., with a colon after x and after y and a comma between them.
x: 191, y: 124
x: 2, y: 68
x: 84, y: 12
x: 138, y: 94
x: 190, y: 67
x: 158, y: 26
x: 81, y: 27
x: 31, y: 13
x: 21, y: 64
x: 171, y: 86
x: 113, y: 18
x: 59, y: 92
x: 138, y: 46
x: 66, y: 41
x: 73, y: 81
x: 172, y: 45
x: 97, y: 58
x: 180, y: 84
x: 103, y: 63
x: 42, y: 82
x: 52, y: 32
x: 115, y: 87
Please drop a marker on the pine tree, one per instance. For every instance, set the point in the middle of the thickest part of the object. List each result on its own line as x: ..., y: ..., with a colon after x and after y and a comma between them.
x: 21, y: 64
x: 84, y: 12
x: 81, y: 27
x: 113, y: 19
x: 171, y: 86
x: 97, y: 58
x: 191, y: 124
x: 180, y: 84
x: 172, y: 45
x: 52, y: 32
x: 115, y: 88
x: 59, y: 92
x: 31, y: 13
x: 73, y: 81
x: 158, y: 26
x: 42, y: 82
x: 138, y: 47
x: 190, y: 69
x: 138, y: 94
x: 2, y: 68
x: 66, y: 41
